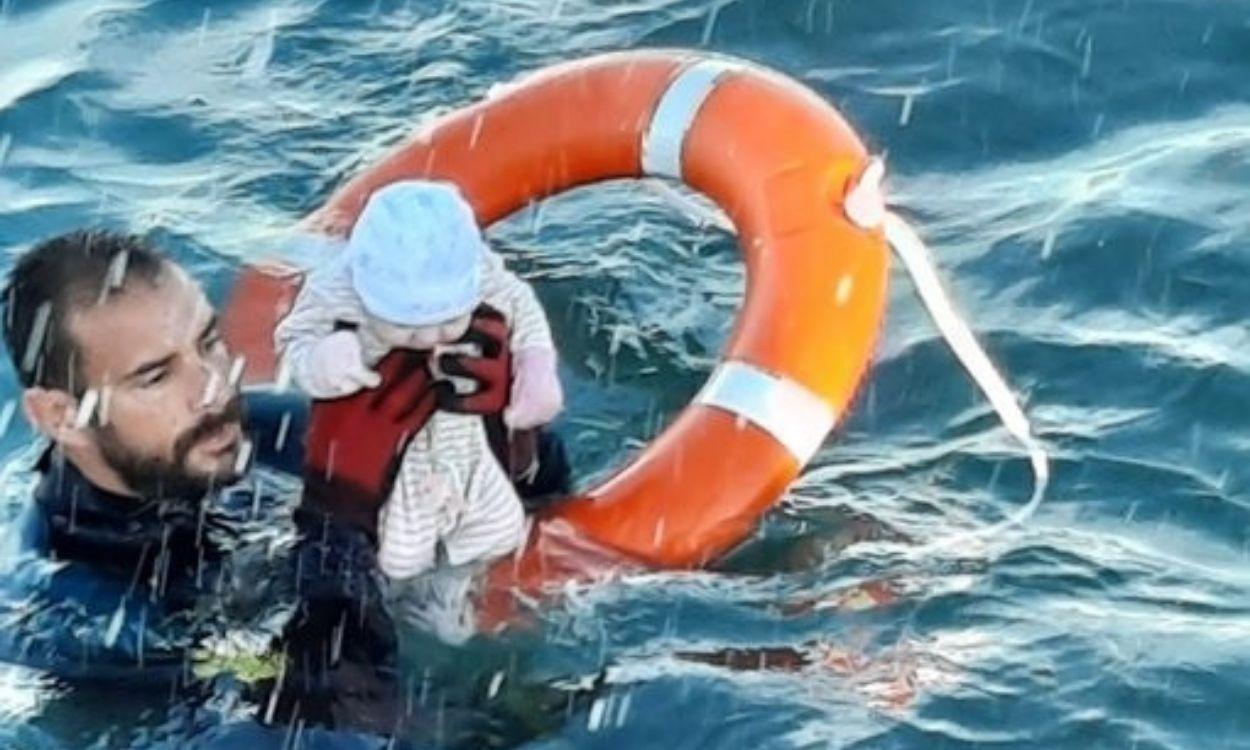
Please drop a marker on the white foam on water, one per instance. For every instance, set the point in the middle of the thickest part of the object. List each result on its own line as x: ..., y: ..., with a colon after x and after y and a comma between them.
x: 45, y: 46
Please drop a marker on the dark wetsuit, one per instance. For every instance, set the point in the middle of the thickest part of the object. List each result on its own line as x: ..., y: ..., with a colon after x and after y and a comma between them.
x: 95, y: 587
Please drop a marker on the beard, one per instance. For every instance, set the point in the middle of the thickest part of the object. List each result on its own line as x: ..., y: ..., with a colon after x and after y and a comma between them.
x: 159, y: 477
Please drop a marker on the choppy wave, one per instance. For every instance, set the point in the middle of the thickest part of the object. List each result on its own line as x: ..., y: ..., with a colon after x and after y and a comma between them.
x: 1079, y: 169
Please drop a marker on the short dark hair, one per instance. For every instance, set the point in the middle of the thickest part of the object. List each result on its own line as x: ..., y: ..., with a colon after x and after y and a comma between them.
x: 52, y: 280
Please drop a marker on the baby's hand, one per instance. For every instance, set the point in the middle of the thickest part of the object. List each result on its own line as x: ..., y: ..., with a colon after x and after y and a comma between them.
x: 536, y: 393
x: 336, y: 367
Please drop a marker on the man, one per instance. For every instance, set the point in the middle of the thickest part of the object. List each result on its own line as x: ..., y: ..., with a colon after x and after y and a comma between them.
x: 125, y: 375
x: 120, y: 563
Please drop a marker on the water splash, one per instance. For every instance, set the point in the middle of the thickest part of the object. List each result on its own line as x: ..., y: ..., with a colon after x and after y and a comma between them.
x: 258, y: 57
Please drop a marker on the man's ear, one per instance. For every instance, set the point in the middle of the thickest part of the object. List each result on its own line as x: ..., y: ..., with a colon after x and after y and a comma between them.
x: 54, y: 413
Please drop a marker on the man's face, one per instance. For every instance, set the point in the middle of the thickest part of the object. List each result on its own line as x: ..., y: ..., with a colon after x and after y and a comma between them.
x: 169, y: 420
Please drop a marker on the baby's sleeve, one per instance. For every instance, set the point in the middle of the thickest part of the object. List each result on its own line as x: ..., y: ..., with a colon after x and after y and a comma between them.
x: 325, y: 297
x: 515, y: 298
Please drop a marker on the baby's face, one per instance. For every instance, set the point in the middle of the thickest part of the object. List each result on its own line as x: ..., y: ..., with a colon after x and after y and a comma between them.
x: 418, y: 337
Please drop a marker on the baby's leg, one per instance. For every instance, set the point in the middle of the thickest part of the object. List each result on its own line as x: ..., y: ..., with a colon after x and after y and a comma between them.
x: 408, y: 528
x: 493, y: 521
x: 483, y: 521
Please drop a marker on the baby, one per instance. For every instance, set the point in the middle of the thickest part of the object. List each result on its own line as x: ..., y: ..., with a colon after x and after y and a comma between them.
x: 412, y: 273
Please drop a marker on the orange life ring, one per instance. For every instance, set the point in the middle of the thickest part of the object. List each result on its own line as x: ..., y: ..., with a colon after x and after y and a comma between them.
x: 779, y: 161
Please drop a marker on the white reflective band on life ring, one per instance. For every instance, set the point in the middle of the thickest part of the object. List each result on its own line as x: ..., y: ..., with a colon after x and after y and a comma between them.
x: 797, y: 418
x: 661, y: 146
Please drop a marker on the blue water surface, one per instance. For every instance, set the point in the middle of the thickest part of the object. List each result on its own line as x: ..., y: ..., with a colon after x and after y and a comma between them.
x: 1080, y: 168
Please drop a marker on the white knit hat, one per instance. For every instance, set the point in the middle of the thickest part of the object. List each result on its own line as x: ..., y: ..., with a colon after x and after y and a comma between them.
x: 415, y: 254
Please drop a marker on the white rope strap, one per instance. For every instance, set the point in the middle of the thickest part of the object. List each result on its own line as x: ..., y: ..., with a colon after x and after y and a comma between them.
x: 865, y: 207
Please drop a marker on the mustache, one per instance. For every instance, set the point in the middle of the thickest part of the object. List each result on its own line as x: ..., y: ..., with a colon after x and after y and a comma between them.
x: 231, y: 413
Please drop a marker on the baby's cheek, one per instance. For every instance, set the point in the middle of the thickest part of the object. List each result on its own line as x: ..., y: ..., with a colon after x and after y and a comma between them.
x: 397, y: 340
x: 391, y: 339
x: 453, y: 331
x: 423, y: 338
x: 388, y: 335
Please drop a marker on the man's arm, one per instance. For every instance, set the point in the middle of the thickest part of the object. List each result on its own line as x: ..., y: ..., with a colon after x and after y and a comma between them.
x: 340, y: 645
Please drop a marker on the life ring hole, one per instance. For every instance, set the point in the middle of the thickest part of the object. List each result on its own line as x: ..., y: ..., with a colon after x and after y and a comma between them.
x: 642, y: 283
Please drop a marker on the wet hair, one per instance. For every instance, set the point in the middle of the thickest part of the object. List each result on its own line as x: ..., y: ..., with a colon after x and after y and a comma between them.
x: 54, y: 279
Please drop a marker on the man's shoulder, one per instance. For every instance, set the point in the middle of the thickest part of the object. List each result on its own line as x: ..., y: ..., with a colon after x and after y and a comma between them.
x: 29, y: 566
x: 40, y: 596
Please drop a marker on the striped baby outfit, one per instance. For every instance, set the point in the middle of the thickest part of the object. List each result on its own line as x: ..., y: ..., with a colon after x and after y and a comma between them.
x: 452, y: 501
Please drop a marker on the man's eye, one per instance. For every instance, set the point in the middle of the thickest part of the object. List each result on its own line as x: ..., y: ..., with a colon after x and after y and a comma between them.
x: 154, y: 378
x: 213, y: 341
